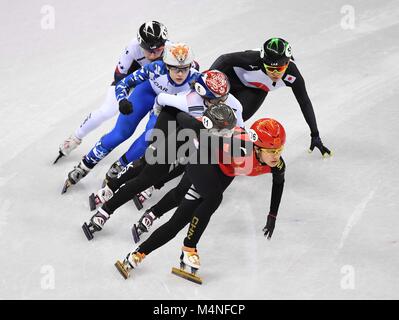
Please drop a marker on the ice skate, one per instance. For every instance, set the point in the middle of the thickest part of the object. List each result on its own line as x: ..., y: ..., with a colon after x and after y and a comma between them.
x: 96, y: 223
x: 189, y: 257
x: 112, y: 172
x: 69, y: 144
x: 74, y: 176
x: 141, y: 197
x: 143, y: 225
x: 130, y: 262
x: 102, y: 196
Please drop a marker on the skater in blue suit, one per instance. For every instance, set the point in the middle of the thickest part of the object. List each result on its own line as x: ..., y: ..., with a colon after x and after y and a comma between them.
x: 172, y: 75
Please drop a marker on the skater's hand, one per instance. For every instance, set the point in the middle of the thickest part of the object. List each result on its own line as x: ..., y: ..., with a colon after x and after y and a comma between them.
x: 269, y: 227
x: 157, y: 108
x: 125, y: 107
x: 316, y: 142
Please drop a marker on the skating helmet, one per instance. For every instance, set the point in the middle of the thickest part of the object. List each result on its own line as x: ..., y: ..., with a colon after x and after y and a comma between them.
x: 276, y: 52
x: 178, y: 55
x: 219, y: 117
x: 152, y: 35
x: 212, y: 84
x: 267, y: 133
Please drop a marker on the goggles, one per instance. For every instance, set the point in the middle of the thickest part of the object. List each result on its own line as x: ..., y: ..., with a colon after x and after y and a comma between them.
x: 275, y: 69
x: 216, y: 100
x: 274, y: 151
x: 156, y: 50
x: 179, y: 69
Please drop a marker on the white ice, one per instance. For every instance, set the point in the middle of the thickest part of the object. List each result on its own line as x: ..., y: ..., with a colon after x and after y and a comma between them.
x: 337, y: 234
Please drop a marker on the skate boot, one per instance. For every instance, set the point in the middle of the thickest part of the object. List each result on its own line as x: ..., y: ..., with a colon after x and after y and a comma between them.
x: 96, y: 223
x: 143, y: 225
x: 74, y: 176
x: 130, y: 262
x: 102, y: 196
x: 141, y: 197
x: 189, y: 257
x: 69, y: 144
x: 113, y: 172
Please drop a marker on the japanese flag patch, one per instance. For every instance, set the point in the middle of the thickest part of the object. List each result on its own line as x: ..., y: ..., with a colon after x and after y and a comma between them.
x: 289, y: 78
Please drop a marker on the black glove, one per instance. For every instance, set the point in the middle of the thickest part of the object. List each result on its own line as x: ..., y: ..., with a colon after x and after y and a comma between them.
x: 316, y: 142
x: 125, y: 107
x: 269, y: 227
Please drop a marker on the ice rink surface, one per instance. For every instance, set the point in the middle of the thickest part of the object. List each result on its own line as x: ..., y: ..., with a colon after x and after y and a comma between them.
x: 337, y: 234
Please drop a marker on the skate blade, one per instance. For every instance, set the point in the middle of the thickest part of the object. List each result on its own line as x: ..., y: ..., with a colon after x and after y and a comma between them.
x: 67, y: 184
x: 92, y: 202
x: 60, y: 155
x: 88, y: 233
x: 137, y: 203
x: 136, y: 234
x: 186, y: 275
x: 121, y: 268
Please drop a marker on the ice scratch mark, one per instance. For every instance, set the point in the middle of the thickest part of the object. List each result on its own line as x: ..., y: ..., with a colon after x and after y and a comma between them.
x: 355, y: 217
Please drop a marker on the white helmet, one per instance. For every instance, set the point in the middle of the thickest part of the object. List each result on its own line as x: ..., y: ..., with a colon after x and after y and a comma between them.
x: 178, y: 54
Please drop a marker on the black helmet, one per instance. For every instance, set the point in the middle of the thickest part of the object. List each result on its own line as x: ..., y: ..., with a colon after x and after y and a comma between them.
x: 152, y: 35
x: 218, y: 117
x: 276, y: 52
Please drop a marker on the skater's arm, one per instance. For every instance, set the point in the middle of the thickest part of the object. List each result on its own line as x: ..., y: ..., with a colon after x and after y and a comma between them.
x: 277, y: 187
x: 277, y: 192
x: 127, y: 63
x: 147, y: 72
x: 301, y: 95
x: 176, y: 101
x: 225, y: 62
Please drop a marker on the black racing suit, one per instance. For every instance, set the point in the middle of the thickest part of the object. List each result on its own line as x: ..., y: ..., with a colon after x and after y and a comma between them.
x: 250, y: 84
x: 205, y: 185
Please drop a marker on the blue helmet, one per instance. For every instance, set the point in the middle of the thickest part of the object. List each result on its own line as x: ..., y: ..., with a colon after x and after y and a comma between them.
x: 212, y: 84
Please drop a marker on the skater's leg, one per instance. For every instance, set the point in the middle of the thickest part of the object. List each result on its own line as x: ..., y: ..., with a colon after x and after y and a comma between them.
x: 147, y: 177
x: 108, y: 109
x: 137, y: 149
x: 173, y: 198
x: 142, y: 99
x: 210, y: 183
x: 129, y: 172
x: 168, y: 230
x: 177, y: 171
x: 251, y: 100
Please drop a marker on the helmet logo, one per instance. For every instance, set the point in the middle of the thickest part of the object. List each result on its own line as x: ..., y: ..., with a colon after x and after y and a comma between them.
x: 164, y: 32
x: 148, y: 29
x: 277, y: 141
x: 217, y: 83
x: 253, y: 136
x: 273, y: 45
x: 207, y: 122
x: 179, y: 52
x: 288, y: 51
x: 200, y: 89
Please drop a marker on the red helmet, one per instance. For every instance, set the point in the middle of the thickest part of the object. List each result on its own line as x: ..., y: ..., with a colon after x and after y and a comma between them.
x: 267, y: 133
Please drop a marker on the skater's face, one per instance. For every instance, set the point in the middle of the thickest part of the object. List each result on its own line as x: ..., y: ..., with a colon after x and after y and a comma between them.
x: 179, y: 74
x: 269, y: 156
x: 275, y: 73
x: 153, y: 54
